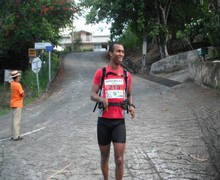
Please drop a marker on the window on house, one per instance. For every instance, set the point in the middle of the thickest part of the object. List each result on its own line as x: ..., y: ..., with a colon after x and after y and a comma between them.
x: 87, y: 36
x: 97, y: 46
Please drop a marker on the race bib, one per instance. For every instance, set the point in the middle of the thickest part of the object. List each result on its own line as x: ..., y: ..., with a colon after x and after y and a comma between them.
x: 113, y: 82
x: 115, y: 94
x: 114, y: 88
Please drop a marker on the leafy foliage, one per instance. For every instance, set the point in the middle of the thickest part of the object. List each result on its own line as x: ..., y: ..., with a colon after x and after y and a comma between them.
x: 212, y: 27
x: 160, y: 19
x: 24, y: 22
x: 202, y: 25
x: 143, y: 16
x: 130, y: 40
x: 77, y: 42
x: 119, y: 13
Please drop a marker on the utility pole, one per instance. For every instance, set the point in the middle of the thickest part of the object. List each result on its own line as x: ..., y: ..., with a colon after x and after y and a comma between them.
x: 218, y: 5
x: 144, y: 50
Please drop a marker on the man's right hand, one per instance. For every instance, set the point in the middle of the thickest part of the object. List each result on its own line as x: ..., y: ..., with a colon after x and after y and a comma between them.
x: 104, y: 101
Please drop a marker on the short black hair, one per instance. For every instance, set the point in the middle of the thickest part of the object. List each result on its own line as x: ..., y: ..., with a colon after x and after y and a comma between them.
x: 111, y: 47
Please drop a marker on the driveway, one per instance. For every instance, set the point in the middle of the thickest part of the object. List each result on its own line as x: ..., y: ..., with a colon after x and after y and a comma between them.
x: 175, y: 134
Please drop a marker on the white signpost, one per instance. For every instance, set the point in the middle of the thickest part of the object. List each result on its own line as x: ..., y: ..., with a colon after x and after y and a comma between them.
x: 41, y: 45
x: 36, y: 65
x: 48, y: 47
x: 7, y: 76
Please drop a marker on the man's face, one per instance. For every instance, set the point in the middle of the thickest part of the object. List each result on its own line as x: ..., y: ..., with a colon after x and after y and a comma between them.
x: 18, y: 78
x: 118, y: 54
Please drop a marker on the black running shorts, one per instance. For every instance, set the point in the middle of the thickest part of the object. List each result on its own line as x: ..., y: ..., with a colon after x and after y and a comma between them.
x: 109, y: 130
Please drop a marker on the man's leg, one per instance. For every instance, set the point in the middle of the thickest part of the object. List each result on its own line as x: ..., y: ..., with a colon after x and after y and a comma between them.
x: 105, y: 151
x: 16, y: 119
x: 119, y: 149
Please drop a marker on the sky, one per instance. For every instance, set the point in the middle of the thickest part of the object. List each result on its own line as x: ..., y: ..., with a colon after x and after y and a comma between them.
x: 101, y: 28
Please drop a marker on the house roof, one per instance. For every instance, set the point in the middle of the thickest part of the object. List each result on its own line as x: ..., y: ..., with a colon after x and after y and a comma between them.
x: 84, y: 31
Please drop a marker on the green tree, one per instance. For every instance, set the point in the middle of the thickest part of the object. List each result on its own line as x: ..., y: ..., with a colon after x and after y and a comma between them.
x: 144, y: 17
x: 202, y: 25
x: 24, y: 22
x: 182, y: 18
x: 160, y: 19
x: 129, y: 39
x: 77, y: 42
x: 211, y: 22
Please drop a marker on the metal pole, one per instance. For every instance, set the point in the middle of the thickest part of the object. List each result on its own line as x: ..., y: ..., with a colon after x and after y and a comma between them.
x: 49, y: 66
x: 144, y: 50
x: 43, y: 63
x: 38, y: 87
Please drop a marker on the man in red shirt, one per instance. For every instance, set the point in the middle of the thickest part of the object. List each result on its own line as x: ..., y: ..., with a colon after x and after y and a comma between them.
x: 115, y: 93
x: 17, y: 94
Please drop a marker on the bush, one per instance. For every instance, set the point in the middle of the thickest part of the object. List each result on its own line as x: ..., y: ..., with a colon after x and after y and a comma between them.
x: 4, y: 97
x: 130, y: 40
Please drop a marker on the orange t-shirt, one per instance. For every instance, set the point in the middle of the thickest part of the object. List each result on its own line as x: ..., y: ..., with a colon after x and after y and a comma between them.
x: 16, y: 95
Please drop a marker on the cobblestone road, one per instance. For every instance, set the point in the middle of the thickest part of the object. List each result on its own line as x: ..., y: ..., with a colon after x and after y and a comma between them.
x: 175, y: 134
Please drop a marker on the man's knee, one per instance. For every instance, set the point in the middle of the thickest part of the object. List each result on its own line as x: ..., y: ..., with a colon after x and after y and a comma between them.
x: 104, y: 157
x: 119, y: 161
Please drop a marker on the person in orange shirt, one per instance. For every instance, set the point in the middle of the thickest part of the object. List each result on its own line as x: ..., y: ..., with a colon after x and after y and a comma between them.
x: 17, y: 95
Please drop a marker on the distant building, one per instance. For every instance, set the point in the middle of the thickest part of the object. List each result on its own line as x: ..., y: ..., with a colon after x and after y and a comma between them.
x: 100, y: 42
x: 84, y: 40
x: 91, y: 42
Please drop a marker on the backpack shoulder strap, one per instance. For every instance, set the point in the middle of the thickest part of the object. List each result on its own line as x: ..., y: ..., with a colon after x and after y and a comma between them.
x: 125, y: 73
x: 100, y: 86
x: 102, y: 78
x: 126, y: 81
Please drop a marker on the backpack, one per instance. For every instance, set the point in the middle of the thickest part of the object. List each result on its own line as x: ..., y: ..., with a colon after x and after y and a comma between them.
x: 102, y: 80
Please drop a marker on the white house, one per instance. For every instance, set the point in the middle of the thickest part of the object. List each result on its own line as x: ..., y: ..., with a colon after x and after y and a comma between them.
x: 92, y: 42
x: 100, y: 42
x: 88, y: 41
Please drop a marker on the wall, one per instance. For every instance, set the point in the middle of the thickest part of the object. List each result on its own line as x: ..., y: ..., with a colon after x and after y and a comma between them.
x: 204, y: 72
x: 173, y: 63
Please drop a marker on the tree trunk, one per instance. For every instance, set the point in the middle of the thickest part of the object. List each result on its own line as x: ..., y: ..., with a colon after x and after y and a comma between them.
x: 162, y: 16
x: 160, y: 47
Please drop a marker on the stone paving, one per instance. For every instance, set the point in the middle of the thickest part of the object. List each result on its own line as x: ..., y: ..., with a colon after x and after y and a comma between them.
x: 175, y: 134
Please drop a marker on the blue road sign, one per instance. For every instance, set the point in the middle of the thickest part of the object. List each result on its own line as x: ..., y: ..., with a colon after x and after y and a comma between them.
x: 49, y: 48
